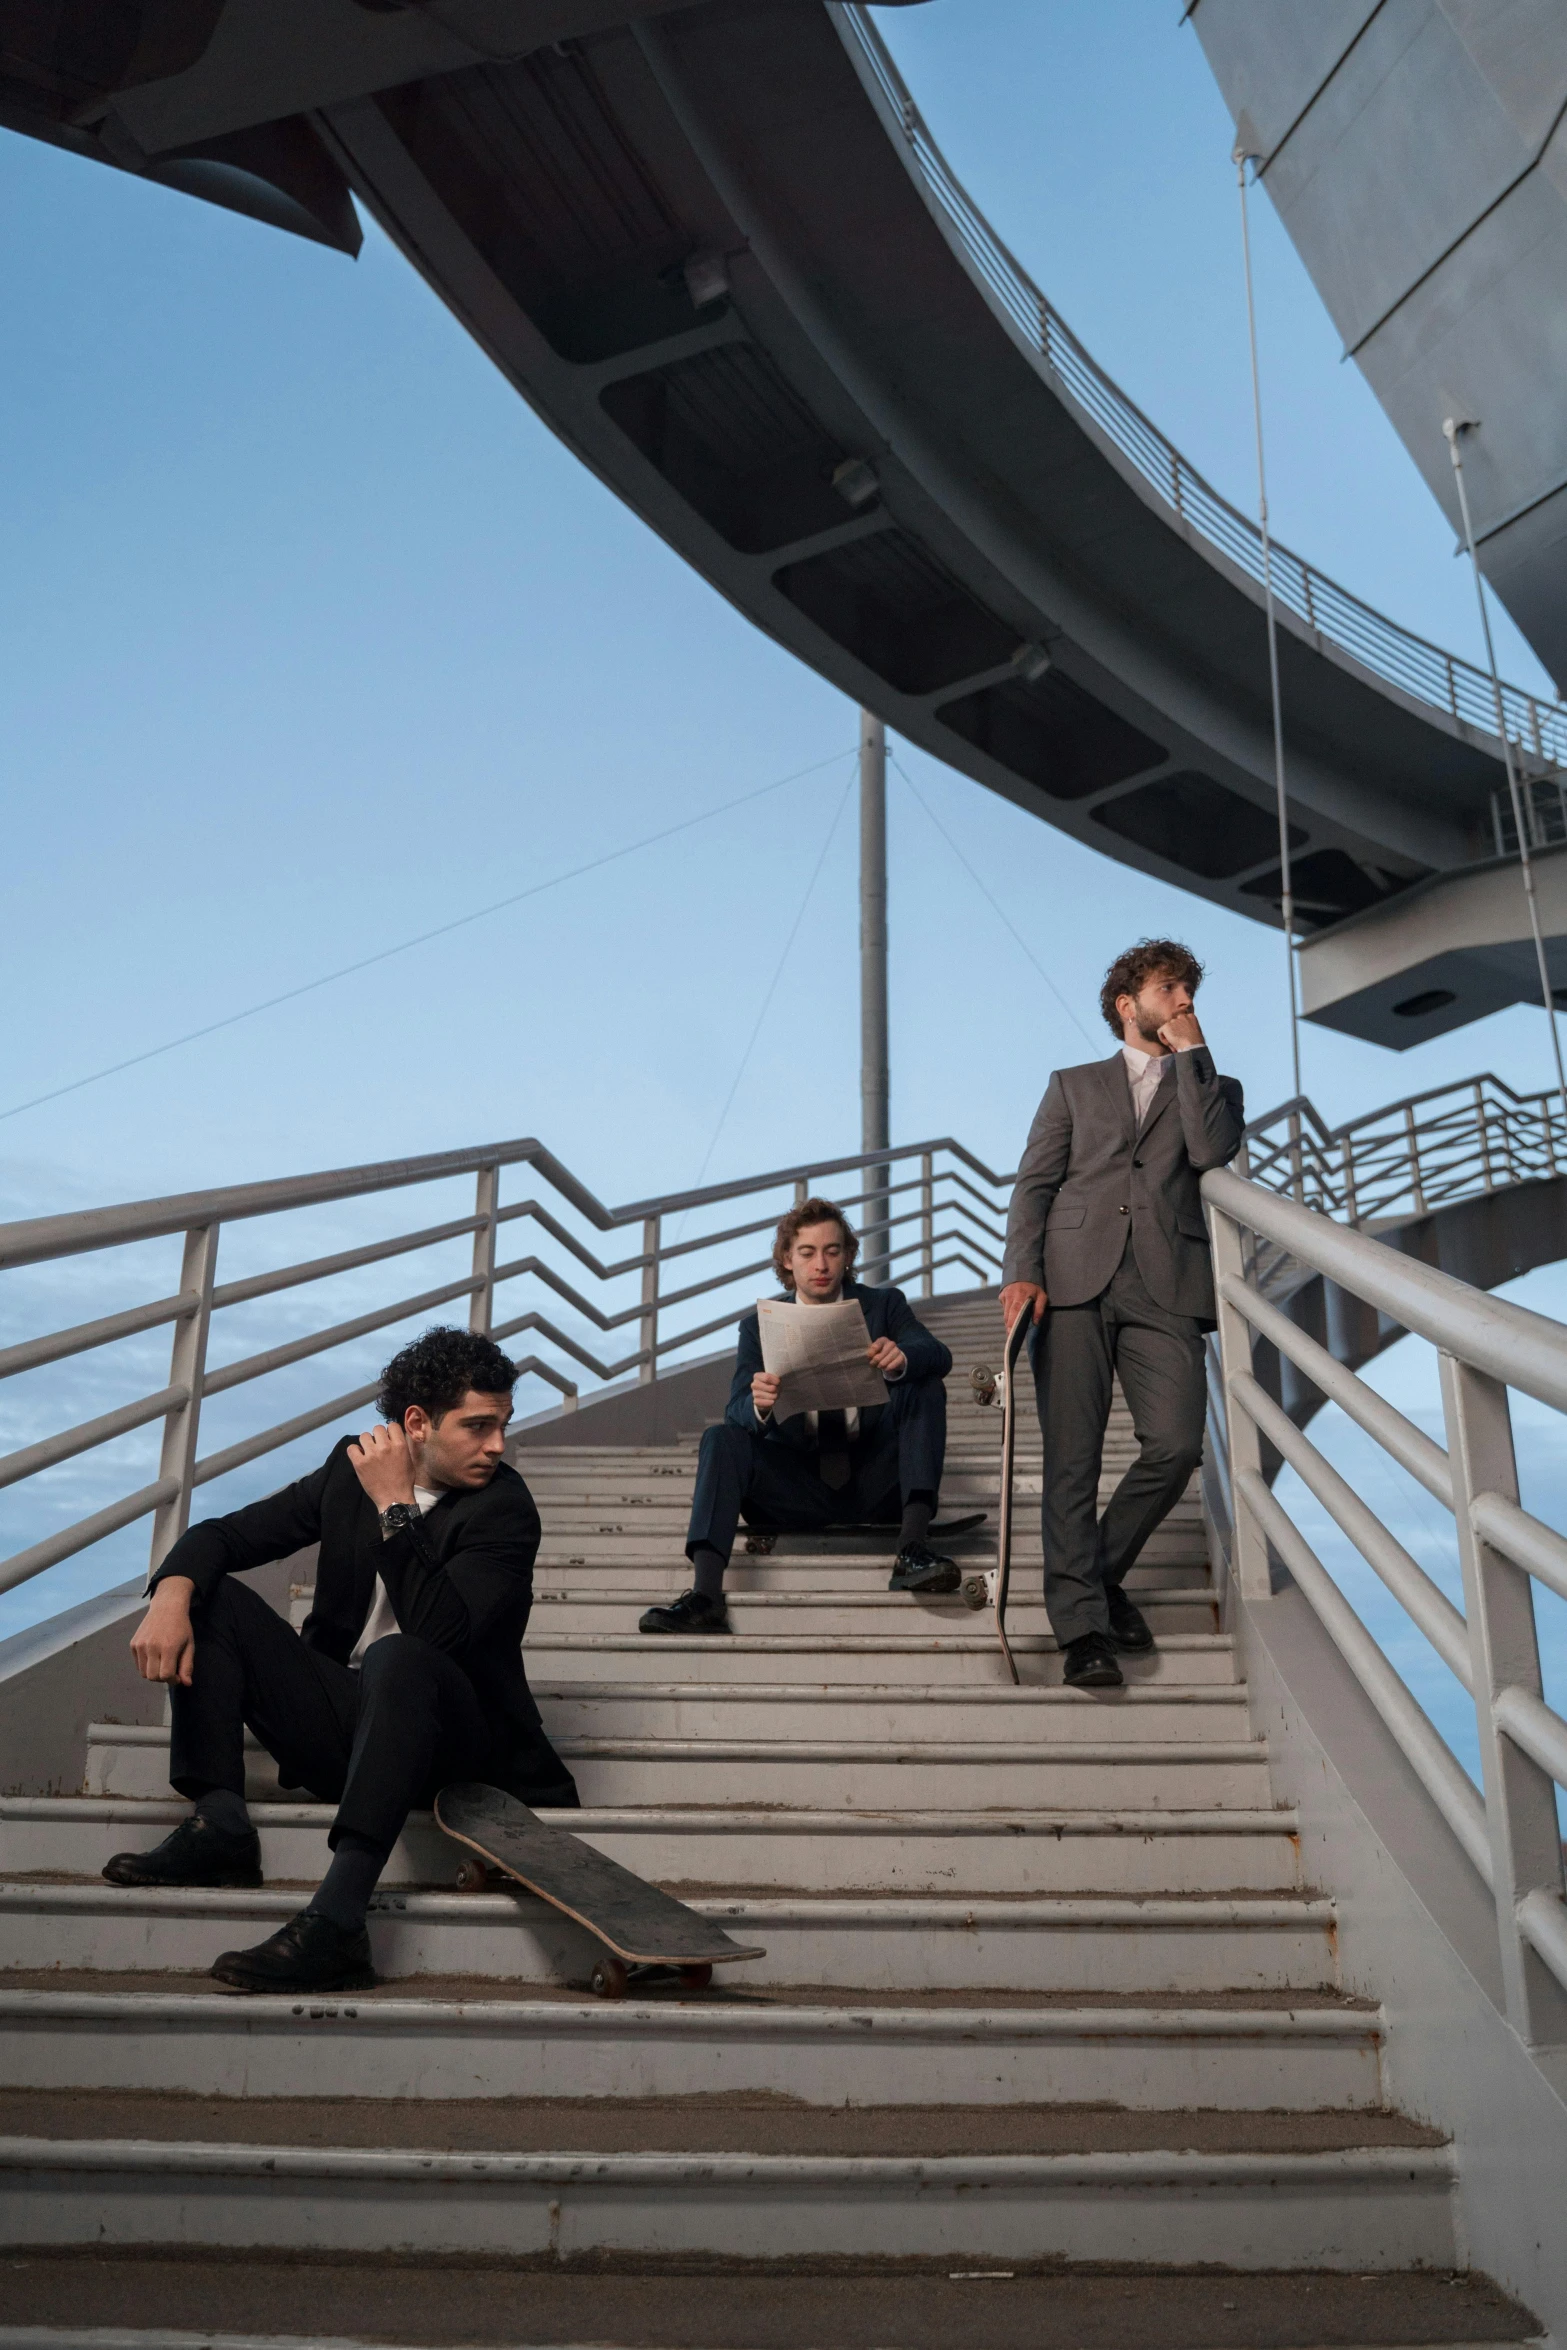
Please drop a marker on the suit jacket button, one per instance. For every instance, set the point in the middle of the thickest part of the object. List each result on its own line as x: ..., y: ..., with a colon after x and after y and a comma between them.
x: 1126, y: 1211
x: 1137, y: 1162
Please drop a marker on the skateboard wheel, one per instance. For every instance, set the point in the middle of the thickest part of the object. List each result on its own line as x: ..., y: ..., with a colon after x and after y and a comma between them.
x: 472, y: 1876
x: 696, y: 1978
x: 609, y: 1979
x: 975, y: 1592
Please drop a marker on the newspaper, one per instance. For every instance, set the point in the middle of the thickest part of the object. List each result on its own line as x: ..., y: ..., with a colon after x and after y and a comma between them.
x: 820, y: 1352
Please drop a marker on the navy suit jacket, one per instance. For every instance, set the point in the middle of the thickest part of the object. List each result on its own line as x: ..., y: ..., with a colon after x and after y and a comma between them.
x: 888, y: 1314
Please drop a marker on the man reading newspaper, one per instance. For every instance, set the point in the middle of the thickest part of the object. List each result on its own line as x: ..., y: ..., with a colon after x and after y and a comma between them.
x: 852, y: 1461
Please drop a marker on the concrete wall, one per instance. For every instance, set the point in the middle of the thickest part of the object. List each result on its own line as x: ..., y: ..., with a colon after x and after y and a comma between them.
x: 1417, y: 1930
x: 76, y: 1668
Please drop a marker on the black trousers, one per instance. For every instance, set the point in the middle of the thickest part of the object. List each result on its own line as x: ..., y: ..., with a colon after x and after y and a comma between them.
x: 1158, y: 1357
x: 740, y: 1474
x: 379, y: 1742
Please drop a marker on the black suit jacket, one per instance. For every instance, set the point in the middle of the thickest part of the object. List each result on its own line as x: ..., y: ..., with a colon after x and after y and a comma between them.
x: 462, y: 1580
x: 888, y: 1314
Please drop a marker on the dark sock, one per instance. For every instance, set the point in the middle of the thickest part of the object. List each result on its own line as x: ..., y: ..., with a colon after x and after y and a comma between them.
x: 343, y: 1894
x: 707, y: 1571
x: 224, y: 1810
x: 918, y: 1511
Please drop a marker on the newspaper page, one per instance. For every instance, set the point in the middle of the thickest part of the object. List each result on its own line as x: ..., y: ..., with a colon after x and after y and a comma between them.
x: 819, y: 1352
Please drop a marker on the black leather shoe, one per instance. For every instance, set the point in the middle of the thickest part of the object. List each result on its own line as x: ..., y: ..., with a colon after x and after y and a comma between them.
x: 196, y: 1854
x: 917, y: 1568
x: 308, y: 1954
x: 1128, y: 1624
x: 1089, y: 1663
x: 689, y: 1613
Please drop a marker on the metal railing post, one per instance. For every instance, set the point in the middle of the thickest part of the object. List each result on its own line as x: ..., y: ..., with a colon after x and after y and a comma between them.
x: 187, y: 1370
x: 1250, y: 1560
x: 1484, y: 1125
x: 647, y: 1369
x: 927, y: 1226
x: 1412, y: 1136
x: 481, y: 1306
x: 1520, y: 1797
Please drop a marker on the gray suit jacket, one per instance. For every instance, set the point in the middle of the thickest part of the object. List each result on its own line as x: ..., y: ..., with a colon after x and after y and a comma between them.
x: 1087, y: 1172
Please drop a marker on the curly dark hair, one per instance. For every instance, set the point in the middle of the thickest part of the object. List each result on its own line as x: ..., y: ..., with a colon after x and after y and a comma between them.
x: 812, y: 1211
x: 437, y: 1369
x: 1151, y: 958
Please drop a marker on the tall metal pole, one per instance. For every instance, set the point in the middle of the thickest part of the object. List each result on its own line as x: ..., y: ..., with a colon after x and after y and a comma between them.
x: 1455, y: 429
x: 1281, y: 792
x: 874, y: 1079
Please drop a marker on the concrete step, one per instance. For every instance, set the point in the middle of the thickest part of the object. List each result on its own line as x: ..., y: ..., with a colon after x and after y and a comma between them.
x: 825, y: 1851
x: 783, y: 1569
x: 1244, y: 2052
x: 253, y: 2300
x: 581, y: 1607
x: 665, y: 1553
x: 967, y: 1656
x: 1073, y: 1943
x: 941, y: 1712
x: 1364, y: 2208
x: 858, y: 1774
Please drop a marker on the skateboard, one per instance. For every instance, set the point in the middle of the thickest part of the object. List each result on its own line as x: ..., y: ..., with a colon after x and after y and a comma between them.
x: 991, y: 1587
x: 645, y: 1933
x: 760, y: 1540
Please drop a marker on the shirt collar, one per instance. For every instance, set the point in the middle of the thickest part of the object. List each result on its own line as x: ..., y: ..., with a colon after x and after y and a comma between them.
x: 1137, y: 1060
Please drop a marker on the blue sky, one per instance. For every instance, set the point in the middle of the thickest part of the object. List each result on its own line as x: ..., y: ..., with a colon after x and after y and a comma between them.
x: 312, y: 637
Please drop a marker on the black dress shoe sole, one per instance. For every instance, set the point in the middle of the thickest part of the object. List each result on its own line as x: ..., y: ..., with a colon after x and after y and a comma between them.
x: 1105, y: 1674
x: 122, y: 1870
x: 679, y: 1630
x: 944, y: 1580
x: 230, y: 1970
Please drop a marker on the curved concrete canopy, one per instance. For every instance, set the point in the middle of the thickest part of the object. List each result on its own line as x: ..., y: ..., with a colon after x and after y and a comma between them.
x: 1417, y: 153
x: 717, y: 250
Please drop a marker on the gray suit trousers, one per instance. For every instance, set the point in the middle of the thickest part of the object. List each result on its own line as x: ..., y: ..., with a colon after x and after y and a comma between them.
x: 1158, y: 1357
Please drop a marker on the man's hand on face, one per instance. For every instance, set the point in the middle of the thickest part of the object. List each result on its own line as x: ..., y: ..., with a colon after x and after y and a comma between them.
x: 1022, y: 1297
x: 164, y: 1645
x: 764, y: 1391
x: 889, y: 1360
x: 382, y: 1464
x: 1181, y: 1033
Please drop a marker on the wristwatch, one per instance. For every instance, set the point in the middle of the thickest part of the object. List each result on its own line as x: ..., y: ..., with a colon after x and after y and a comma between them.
x: 400, y: 1516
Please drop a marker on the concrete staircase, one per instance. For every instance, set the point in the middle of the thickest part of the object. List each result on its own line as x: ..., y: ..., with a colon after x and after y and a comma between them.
x: 1041, y: 1982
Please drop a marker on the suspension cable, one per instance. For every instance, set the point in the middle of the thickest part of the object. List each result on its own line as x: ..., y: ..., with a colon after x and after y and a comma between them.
x: 1241, y: 157
x: 1455, y: 429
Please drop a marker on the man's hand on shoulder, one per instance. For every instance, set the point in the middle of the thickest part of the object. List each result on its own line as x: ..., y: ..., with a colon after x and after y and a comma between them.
x: 164, y: 1644
x: 889, y: 1360
x: 1181, y: 1033
x: 764, y: 1392
x: 382, y: 1465
x: 1022, y: 1297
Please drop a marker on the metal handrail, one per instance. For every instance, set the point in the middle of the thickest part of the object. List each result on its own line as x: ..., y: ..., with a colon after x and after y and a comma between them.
x: 1449, y: 1143
x: 1356, y: 630
x: 948, y: 1230
x: 1486, y: 1345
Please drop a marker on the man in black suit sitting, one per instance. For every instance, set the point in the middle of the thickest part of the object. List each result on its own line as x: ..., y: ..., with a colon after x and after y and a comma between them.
x: 821, y: 1468
x: 408, y: 1671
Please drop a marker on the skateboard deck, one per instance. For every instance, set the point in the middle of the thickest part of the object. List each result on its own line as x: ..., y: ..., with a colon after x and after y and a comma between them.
x: 639, y: 1926
x: 1014, y: 1348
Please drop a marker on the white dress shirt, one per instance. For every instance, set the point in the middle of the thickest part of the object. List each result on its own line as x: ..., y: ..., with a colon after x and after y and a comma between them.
x: 1143, y: 1071
x: 381, y: 1619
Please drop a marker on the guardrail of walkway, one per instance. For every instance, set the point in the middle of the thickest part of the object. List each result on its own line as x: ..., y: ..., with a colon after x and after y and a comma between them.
x: 1509, y: 1827
x: 924, y: 1208
x: 1395, y: 655
x: 1450, y: 1143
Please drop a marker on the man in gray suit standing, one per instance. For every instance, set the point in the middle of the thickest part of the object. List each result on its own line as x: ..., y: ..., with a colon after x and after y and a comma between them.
x: 1107, y: 1249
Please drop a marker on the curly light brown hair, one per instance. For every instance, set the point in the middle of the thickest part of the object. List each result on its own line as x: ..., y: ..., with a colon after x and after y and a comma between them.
x: 1151, y: 958
x: 812, y: 1211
